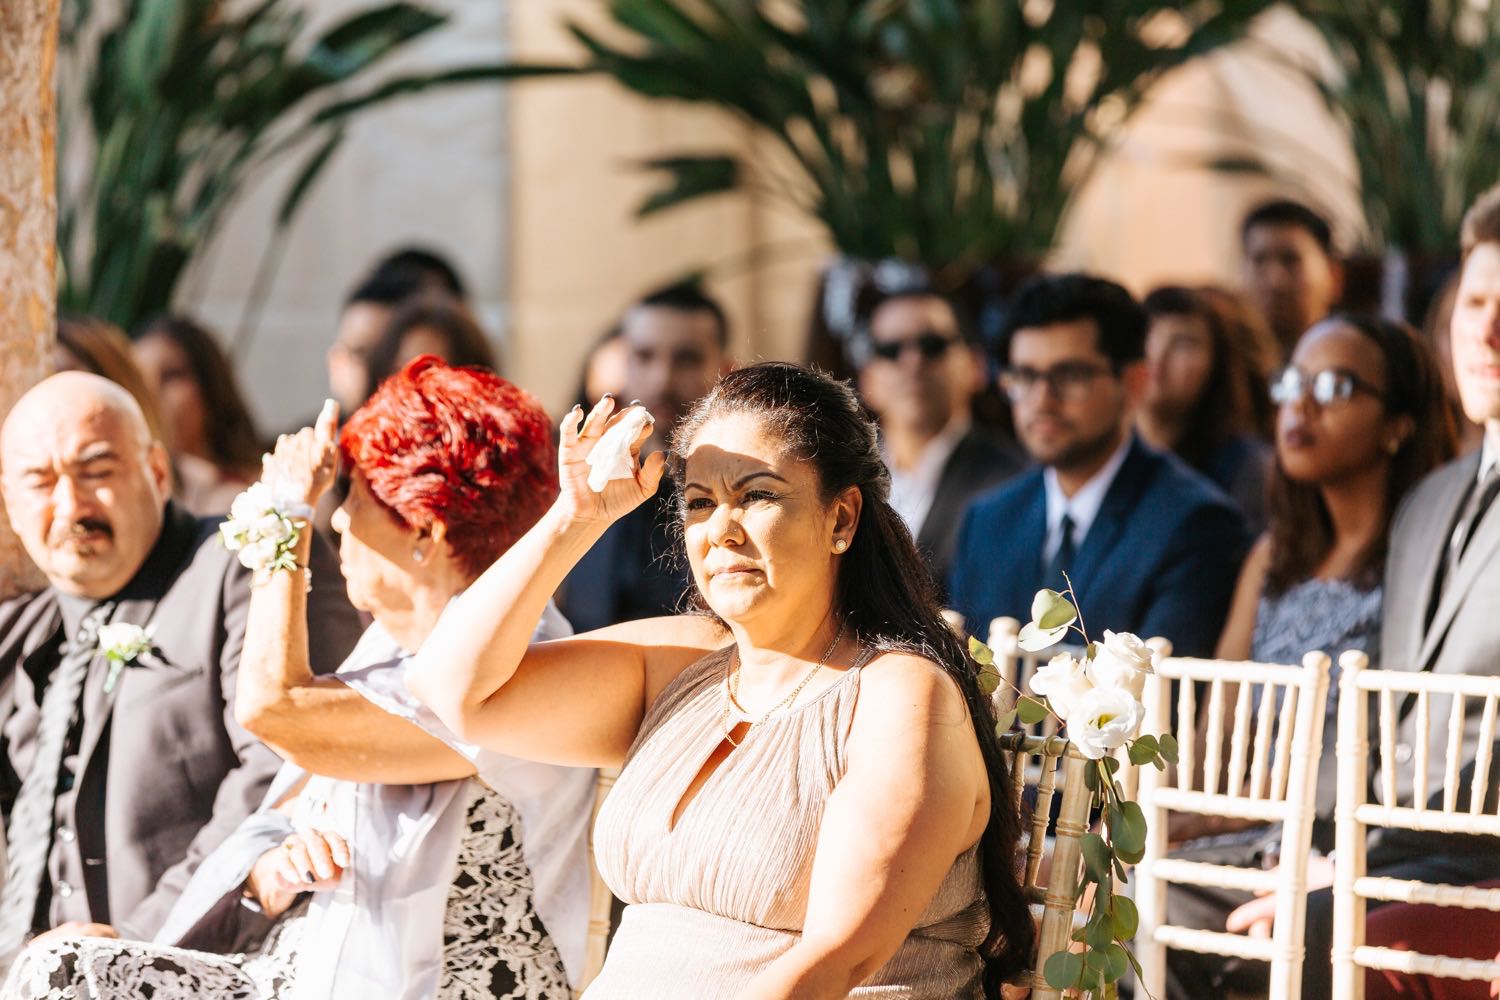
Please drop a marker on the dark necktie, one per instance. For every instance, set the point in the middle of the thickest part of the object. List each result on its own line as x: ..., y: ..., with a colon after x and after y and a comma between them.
x: 1480, y: 498
x: 1062, y: 560
x: 29, y: 833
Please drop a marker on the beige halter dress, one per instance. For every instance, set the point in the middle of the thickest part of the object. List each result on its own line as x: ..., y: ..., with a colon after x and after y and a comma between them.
x: 716, y: 899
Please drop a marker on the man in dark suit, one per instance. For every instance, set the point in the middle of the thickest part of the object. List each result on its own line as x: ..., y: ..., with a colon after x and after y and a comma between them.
x: 1151, y: 546
x: 677, y: 346
x: 1442, y: 603
x: 117, y: 777
x: 919, y: 373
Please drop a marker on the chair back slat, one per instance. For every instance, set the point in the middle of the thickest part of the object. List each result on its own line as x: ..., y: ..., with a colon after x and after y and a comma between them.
x: 1454, y: 752
x: 1479, y: 787
x: 1241, y: 741
x: 1420, y: 754
x: 1213, y: 747
x: 1281, y: 770
x: 1387, y: 747
x: 1187, y: 717
x: 1264, y: 735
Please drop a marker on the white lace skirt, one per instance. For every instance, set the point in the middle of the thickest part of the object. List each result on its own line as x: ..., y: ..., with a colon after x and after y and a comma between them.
x: 494, y: 944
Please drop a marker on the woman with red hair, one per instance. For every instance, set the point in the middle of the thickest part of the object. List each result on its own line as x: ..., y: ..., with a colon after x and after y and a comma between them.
x: 389, y: 859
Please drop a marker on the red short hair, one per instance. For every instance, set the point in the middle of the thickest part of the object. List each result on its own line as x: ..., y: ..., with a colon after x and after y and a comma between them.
x: 457, y: 445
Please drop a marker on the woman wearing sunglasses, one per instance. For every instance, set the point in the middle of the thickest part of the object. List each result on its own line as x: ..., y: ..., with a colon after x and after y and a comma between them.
x: 1361, y: 417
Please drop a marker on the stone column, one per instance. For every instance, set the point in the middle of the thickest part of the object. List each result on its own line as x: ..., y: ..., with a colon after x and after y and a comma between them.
x: 28, y: 221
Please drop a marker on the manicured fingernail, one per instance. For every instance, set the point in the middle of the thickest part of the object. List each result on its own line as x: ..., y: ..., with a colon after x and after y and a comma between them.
x: 633, y: 402
x: 607, y: 395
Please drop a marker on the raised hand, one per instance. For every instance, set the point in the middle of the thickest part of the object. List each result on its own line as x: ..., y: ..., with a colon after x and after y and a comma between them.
x: 620, y: 496
x: 302, y: 467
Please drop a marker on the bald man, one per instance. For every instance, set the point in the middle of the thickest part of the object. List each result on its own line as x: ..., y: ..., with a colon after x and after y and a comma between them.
x: 151, y: 769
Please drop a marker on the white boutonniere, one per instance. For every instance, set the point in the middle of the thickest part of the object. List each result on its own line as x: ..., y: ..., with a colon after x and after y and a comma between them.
x: 123, y: 644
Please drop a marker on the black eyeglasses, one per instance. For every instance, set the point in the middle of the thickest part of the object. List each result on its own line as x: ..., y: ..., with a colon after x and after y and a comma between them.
x: 1330, y: 385
x: 929, y: 343
x: 1069, y: 380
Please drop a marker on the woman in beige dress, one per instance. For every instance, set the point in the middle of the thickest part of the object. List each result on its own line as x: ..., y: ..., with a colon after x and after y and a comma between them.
x: 813, y: 803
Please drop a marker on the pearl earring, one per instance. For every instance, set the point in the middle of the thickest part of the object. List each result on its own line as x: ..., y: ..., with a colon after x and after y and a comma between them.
x: 417, y: 556
x: 840, y: 545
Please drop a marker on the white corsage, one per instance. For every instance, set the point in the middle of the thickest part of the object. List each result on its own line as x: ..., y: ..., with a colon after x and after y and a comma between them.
x: 264, y: 529
x: 122, y: 644
x: 611, y: 459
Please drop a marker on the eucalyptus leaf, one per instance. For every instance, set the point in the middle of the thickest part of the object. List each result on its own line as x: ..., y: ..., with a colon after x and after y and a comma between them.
x: 1117, y: 962
x: 1063, y: 970
x: 1096, y: 857
x: 1031, y: 710
x: 1005, y: 722
x: 1168, y: 746
x: 980, y: 653
x: 1034, y: 639
x: 989, y: 680
x: 1051, y: 610
x: 1125, y: 916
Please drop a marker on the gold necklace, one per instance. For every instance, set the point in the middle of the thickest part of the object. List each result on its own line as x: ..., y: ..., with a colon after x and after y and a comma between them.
x: 731, y: 688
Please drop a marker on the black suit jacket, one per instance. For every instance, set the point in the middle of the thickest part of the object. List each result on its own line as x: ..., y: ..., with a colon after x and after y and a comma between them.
x: 636, y: 570
x: 979, y: 463
x: 164, y: 772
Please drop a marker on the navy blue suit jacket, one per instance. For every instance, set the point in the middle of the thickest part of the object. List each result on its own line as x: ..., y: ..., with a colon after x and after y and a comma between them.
x: 1160, y: 559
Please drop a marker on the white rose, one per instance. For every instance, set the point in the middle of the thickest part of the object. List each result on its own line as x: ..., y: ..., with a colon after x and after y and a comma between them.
x: 257, y: 554
x: 1103, y: 719
x: 271, y: 528
x: 1063, y: 682
x: 1121, y: 661
x: 124, y: 640
x: 251, y: 505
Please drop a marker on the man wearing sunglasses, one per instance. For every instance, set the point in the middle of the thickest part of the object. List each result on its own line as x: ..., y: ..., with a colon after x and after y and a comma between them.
x: 1150, y: 546
x: 920, y: 376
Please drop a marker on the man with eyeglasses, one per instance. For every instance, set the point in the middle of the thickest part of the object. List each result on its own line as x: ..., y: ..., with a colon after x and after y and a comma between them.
x: 920, y: 375
x: 1150, y: 546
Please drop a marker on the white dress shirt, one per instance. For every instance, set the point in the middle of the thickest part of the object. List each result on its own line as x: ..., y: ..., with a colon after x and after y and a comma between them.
x: 913, y: 490
x: 1083, y: 506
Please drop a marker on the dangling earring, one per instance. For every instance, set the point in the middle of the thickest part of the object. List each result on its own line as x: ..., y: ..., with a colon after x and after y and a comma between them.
x: 840, y: 545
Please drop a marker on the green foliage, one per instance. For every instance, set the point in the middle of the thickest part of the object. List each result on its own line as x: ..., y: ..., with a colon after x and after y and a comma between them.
x: 1031, y: 710
x: 179, y: 103
x: 938, y: 131
x: 1417, y: 85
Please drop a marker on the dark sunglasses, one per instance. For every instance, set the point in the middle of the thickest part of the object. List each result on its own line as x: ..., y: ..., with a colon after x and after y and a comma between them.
x: 1330, y: 385
x: 929, y: 344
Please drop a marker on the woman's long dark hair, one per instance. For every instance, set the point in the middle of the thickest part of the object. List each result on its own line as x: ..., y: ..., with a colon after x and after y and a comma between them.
x: 1301, y: 530
x: 885, y: 595
x: 232, y: 438
x: 1227, y: 404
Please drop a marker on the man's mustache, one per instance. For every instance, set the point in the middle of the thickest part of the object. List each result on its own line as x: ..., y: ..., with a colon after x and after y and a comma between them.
x: 82, y: 528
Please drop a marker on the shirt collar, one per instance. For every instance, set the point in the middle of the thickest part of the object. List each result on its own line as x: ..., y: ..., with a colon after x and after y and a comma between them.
x: 1489, y: 454
x: 1083, y: 506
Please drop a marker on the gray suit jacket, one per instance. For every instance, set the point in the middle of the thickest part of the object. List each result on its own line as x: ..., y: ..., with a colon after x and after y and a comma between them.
x: 1462, y: 638
x: 164, y: 772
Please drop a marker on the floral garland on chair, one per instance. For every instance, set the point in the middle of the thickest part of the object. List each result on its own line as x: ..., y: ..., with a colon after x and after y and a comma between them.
x: 1097, y: 697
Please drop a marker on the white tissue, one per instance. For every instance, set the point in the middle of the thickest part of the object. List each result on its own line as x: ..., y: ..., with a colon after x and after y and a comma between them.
x: 611, y: 458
